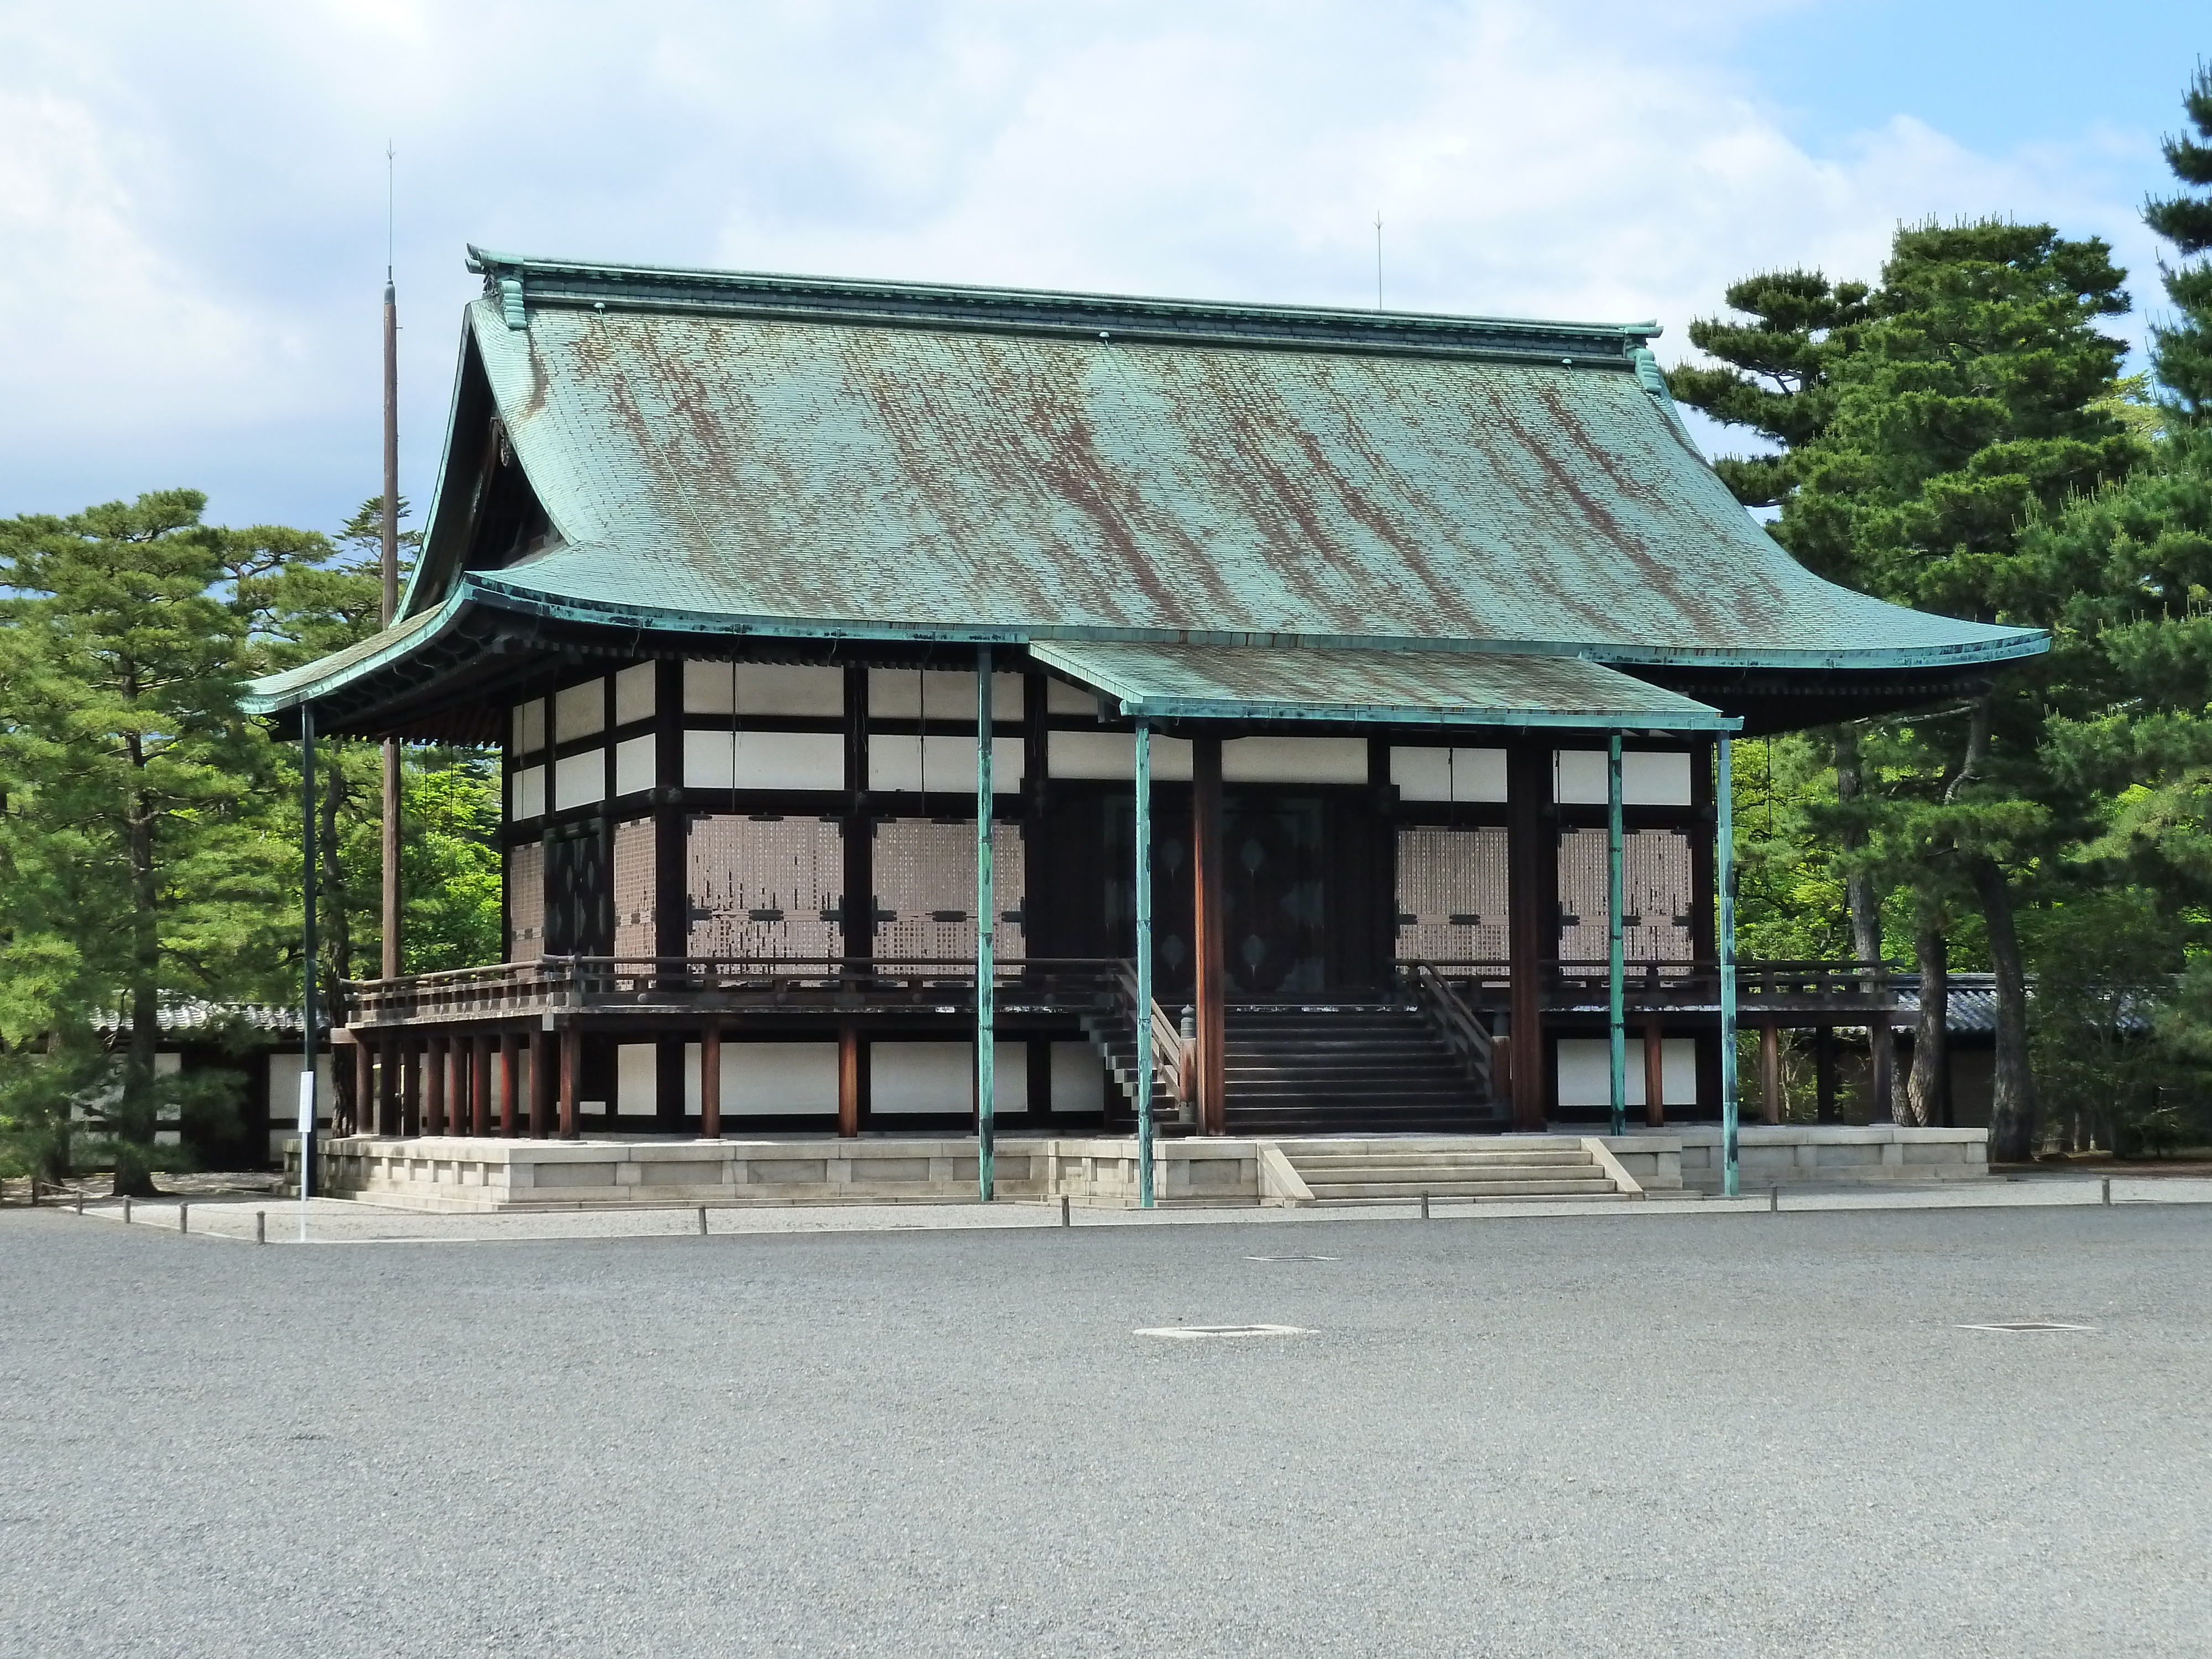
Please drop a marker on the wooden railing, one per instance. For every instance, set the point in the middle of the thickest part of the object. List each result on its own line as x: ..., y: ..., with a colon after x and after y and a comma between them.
x: 1172, y: 1071
x: 1681, y: 983
x: 1463, y: 1029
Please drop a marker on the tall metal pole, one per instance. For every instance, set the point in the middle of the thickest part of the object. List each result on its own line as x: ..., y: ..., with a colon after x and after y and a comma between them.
x: 1144, y: 886
x: 1725, y: 877
x: 306, y: 1120
x: 987, y: 1126
x: 1616, y: 966
x: 392, y: 906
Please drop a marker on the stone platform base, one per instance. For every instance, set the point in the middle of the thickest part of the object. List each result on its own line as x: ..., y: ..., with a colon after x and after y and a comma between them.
x: 457, y: 1174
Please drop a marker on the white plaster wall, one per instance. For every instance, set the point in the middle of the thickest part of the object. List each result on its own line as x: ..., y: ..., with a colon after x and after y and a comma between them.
x: 284, y: 1096
x: 1449, y: 774
x: 894, y: 762
x: 761, y: 688
x: 766, y: 760
x: 1294, y: 759
x: 767, y: 1078
x: 637, y: 1079
x: 579, y: 780
x: 527, y: 794
x: 579, y: 711
x: 1061, y: 698
x: 897, y: 693
x: 934, y: 1077
x: 633, y: 766
x: 635, y: 693
x: 1648, y: 777
x: 1079, y: 1078
x: 1586, y: 1071
x: 1113, y: 755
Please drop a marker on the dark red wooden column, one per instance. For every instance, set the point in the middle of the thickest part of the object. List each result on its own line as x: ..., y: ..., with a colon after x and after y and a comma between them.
x: 362, y: 1118
x: 1655, y: 1074
x: 541, y: 1084
x: 480, y: 1085
x: 710, y: 1082
x: 434, y: 1087
x: 848, y: 1081
x: 572, y: 1060
x: 1212, y: 990
x: 1532, y: 898
x: 1770, y: 1071
x: 510, y: 1062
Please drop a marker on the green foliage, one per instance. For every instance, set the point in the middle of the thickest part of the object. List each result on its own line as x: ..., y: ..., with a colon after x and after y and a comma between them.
x: 2181, y: 352
x: 452, y: 864
x: 2105, y: 963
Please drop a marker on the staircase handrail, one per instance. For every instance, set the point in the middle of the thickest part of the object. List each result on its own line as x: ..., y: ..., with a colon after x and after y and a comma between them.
x: 1170, y: 1049
x: 1465, y: 1034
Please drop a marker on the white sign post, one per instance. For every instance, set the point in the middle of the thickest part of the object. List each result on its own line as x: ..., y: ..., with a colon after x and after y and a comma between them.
x: 307, y: 1142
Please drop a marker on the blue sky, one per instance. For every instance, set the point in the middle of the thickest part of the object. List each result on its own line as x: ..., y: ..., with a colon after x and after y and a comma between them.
x: 191, y: 199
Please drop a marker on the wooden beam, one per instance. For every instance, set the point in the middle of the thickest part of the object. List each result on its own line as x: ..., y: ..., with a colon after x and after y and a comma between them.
x: 1655, y: 1074
x: 1211, y: 965
x: 572, y: 1062
x: 510, y: 1062
x: 710, y: 1082
x: 1532, y: 899
x: 848, y: 1081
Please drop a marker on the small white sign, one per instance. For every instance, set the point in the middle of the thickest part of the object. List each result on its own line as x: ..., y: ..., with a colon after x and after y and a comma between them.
x: 306, y: 1103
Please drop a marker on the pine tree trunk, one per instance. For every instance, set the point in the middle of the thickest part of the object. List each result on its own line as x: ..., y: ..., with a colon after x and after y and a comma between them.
x: 1924, y: 1091
x: 1865, y: 909
x: 2012, y: 1113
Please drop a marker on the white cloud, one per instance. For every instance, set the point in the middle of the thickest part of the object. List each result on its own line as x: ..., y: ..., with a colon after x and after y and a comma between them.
x: 192, y: 197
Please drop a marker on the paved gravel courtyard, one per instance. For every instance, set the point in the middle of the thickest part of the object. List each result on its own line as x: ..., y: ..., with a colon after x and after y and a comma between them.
x: 1724, y: 1433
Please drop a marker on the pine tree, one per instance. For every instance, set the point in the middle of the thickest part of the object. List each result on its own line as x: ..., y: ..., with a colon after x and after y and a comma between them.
x: 2181, y: 354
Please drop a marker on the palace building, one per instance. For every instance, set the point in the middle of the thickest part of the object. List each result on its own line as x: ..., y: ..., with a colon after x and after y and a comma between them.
x: 955, y: 710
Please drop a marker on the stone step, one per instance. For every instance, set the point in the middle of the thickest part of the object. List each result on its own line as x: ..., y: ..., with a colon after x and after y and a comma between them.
x: 1326, y: 1166
x: 1332, y: 1192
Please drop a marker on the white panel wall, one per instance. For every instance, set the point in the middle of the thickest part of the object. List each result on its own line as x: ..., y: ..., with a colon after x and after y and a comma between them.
x: 1449, y: 774
x: 637, y: 1079
x: 579, y: 780
x: 285, y: 1095
x: 898, y: 694
x: 633, y: 766
x: 1294, y: 759
x: 1113, y: 755
x: 766, y: 760
x: 1586, y: 1071
x: 527, y: 728
x: 1061, y: 698
x: 896, y: 763
x: 1079, y: 1078
x: 769, y: 1079
x: 579, y: 711
x: 935, y: 1076
x: 525, y: 793
x: 634, y: 693
x: 758, y: 688
x: 1647, y: 778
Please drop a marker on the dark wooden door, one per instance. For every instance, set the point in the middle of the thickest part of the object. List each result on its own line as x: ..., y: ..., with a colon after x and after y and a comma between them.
x: 579, y: 896
x: 1275, y: 893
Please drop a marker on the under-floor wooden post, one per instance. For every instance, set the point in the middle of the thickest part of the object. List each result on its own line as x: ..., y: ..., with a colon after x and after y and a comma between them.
x: 572, y: 1062
x: 848, y: 1082
x: 361, y: 1116
x: 510, y: 1059
x: 410, y: 1087
x: 434, y: 1087
x: 480, y: 1085
x: 1655, y: 1074
x: 1531, y: 901
x: 1824, y: 1071
x: 1882, y: 1057
x: 541, y: 1084
x: 1212, y: 990
x: 1770, y: 1071
x: 710, y: 1083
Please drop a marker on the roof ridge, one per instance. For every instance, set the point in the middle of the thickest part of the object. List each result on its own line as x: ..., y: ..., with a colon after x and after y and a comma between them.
x: 517, y: 281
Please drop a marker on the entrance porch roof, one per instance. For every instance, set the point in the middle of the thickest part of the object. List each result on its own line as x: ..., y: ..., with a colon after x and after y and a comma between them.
x: 1404, y: 688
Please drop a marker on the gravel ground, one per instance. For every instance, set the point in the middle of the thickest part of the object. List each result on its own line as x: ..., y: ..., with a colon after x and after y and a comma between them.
x: 1722, y: 1433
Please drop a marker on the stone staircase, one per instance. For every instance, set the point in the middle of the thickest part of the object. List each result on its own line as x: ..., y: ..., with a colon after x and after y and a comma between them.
x: 1399, y: 1170
x: 1381, y: 1067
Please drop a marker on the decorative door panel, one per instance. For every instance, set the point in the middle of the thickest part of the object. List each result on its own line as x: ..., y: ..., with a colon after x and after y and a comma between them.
x: 635, y: 935
x: 765, y: 888
x: 1273, y: 901
x: 1452, y: 895
x: 1656, y: 895
x: 925, y: 876
x: 578, y: 908
x: 526, y: 902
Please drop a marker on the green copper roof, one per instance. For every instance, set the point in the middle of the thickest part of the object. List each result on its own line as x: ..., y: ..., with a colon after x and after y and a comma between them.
x: 1247, y: 682
x: 724, y: 453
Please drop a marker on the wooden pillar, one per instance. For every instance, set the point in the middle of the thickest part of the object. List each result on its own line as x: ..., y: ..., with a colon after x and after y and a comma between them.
x: 360, y: 1110
x: 710, y: 1082
x: 434, y: 1087
x: 851, y: 1081
x: 1532, y: 898
x: 1881, y: 1055
x: 541, y: 1084
x: 1824, y: 1071
x: 1770, y: 1071
x: 1210, y: 963
x: 510, y: 1062
x: 572, y: 1060
x: 480, y: 1085
x: 410, y: 1087
x: 387, y: 1089
x: 1655, y: 1074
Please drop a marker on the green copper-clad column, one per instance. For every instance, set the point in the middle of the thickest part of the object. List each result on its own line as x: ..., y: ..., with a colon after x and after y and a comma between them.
x: 1724, y: 878
x: 306, y: 1122
x: 1144, y: 884
x: 1616, y: 966
x: 986, y: 912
